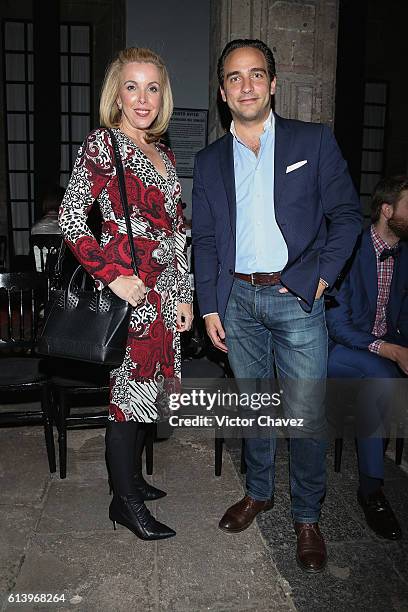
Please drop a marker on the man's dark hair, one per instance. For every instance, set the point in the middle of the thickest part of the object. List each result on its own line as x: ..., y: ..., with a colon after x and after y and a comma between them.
x: 246, y: 42
x: 389, y: 190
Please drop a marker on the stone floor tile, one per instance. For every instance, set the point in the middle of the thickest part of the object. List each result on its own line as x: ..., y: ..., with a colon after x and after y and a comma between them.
x: 87, y: 503
x: 110, y: 571
x: 17, y: 523
x: 24, y: 471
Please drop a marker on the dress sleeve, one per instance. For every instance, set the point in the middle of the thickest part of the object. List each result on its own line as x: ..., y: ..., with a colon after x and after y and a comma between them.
x: 92, y: 170
x: 185, y: 293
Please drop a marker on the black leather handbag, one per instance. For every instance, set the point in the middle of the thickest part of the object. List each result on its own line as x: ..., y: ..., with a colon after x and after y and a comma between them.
x: 87, y: 324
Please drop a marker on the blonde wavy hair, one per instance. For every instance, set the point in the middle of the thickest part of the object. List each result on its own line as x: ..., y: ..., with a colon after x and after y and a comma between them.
x: 109, y: 113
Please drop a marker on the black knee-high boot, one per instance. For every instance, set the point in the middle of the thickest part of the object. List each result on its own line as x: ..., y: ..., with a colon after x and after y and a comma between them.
x: 127, y: 507
x: 146, y: 490
x: 120, y: 440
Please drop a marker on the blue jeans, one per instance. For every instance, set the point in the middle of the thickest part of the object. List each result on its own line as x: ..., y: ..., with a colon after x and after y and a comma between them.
x: 263, y: 328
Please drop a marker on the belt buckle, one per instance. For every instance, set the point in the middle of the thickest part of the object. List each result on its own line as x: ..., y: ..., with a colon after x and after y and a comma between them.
x: 252, y: 279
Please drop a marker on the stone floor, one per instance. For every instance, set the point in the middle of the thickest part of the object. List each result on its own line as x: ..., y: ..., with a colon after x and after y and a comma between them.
x: 55, y: 536
x: 364, y: 572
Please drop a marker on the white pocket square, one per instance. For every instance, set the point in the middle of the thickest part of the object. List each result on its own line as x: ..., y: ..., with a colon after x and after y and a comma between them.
x: 296, y: 166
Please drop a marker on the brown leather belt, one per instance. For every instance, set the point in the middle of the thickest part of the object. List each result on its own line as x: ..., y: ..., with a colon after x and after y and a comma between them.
x: 260, y: 278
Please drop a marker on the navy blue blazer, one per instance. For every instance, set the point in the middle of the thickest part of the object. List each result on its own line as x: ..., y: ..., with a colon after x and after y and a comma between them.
x: 316, y: 208
x: 352, y: 316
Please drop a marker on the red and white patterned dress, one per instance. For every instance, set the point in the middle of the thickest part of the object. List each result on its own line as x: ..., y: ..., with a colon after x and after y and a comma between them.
x: 152, y: 359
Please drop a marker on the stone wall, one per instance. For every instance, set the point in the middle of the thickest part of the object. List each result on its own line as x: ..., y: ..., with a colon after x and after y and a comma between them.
x: 303, y: 37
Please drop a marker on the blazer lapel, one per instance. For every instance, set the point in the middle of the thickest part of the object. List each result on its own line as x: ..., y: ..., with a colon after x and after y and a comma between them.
x: 369, y: 271
x: 283, y: 146
x: 398, y: 284
x: 227, y: 170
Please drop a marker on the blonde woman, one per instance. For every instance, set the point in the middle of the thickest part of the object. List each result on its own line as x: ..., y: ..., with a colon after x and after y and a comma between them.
x: 136, y: 102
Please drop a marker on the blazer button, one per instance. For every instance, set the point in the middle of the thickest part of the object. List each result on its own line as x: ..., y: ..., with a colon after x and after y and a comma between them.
x: 230, y: 271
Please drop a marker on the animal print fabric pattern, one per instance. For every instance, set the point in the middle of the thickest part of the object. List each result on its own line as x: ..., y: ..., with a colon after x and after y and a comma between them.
x: 152, y: 364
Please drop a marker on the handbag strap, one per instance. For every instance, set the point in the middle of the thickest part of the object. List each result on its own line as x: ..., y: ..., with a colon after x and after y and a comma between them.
x: 123, y: 197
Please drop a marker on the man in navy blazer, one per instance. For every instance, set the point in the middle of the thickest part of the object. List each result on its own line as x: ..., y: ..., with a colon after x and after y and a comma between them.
x: 275, y: 218
x: 368, y: 329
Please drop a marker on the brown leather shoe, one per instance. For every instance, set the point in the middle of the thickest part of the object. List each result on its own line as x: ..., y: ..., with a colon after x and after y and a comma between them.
x: 311, y: 553
x: 239, y: 516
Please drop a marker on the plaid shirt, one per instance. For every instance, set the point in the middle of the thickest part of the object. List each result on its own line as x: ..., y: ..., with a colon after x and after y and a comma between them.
x: 385, y: 270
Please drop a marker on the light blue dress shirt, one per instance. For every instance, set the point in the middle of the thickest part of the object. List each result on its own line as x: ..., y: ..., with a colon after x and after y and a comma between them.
x: 261, y: 246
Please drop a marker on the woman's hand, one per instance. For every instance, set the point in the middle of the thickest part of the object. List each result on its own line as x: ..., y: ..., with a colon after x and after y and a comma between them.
x: 184, y: 316
x: 130, y: 288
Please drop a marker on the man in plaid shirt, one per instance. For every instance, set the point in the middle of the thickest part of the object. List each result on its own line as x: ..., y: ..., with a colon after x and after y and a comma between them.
x: 368, y: 330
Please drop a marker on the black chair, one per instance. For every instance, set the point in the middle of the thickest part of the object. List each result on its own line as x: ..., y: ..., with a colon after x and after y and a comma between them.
x: 73, y: 383
x: 77, y: 389
x: 219, y: 444
x: 399, y: 448
x: 23, y: 377
x: 45, y: 249
x: 196, y: 368
x: 338, y: 451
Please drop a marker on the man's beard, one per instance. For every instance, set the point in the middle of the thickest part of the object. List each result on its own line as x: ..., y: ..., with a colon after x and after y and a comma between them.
x: 399, y: 227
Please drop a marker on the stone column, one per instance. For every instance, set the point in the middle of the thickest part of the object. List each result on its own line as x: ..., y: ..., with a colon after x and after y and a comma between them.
x: 303, y: 37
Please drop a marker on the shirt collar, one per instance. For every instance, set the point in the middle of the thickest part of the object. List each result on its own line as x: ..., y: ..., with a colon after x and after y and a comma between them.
x: 378, y: 242
x: 269, y: 124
